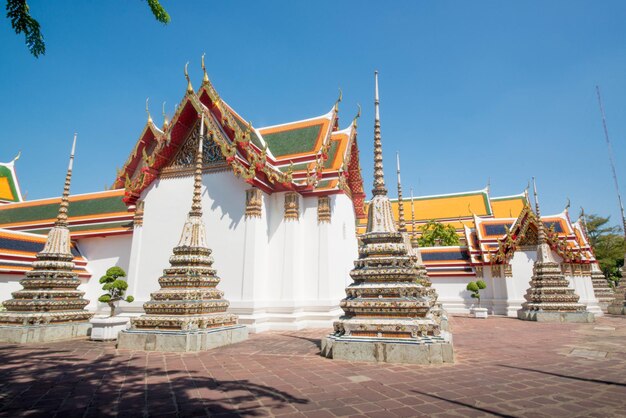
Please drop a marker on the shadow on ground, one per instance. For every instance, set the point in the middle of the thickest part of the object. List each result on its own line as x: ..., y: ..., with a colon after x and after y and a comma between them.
x: 59, y: 383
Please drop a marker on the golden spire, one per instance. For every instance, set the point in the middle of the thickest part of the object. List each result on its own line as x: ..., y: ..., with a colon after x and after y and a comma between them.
x: 196, y: 206
x: 541, y: 229
x: 379, y: 175
x: 205, y: 78
x: 62, y: 216
x: 401, y: 222
x: 148, y: 110
x: 189, y: 86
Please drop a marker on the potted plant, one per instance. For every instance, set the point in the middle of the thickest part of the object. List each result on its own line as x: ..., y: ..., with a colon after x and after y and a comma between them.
x: 107, y: 328
x: 475, y: 288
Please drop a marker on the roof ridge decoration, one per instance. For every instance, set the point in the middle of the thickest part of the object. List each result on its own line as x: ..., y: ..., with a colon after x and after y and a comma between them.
x: 244, y: 148
x: 50, y: 292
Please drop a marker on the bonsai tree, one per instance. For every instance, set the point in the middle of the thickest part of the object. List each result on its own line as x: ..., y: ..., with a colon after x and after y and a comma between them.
x: 475, y: 288
x: 114, y: 287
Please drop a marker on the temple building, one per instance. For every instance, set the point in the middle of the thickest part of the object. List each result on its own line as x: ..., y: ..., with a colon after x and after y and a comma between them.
x: 498, y: 244
x: 280, y: 204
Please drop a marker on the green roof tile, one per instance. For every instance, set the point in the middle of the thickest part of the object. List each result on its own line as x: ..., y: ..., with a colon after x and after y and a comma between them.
x: 293, y: 141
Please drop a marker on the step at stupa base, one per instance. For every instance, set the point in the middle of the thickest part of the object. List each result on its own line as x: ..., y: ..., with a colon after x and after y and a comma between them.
x: 181, y: 341
x: 543, y: 316
x: 427, y: 350
x: 617, y: 310
x: 23, y: 334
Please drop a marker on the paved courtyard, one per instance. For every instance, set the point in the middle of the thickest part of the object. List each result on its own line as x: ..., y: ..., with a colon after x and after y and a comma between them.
x: 505, y: 367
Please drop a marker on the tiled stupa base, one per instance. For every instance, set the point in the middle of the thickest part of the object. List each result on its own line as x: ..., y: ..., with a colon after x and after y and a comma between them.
x: 429, y: 350
x: 543, y: 316
x: 181, y: 341
x: 43, y: 333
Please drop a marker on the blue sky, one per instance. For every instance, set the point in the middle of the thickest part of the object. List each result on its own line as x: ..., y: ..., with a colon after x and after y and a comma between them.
x: 469, y: 90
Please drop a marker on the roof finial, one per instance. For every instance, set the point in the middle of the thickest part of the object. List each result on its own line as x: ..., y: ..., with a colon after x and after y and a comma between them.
x: 401, y: 222
x: 567, y: 205
x: 358, y: 115
x: 488, y: 184
x: 339, y: 99
x: 17, y: 157
x: 196, y: 206
x: 542, y: 233
x: 205, y: 78
x: 189, y: 86
x: 62, y: 215
x: 584, y: 219
x: 148, y: 110
x: 165, y: 121
x: 379, y: 175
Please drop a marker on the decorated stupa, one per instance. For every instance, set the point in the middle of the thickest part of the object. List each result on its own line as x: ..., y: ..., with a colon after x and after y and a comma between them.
x: 549, y: 297
x: 49, y: 307
x: 387, y: 311
x: 601, y: 288
x: 188, y: 312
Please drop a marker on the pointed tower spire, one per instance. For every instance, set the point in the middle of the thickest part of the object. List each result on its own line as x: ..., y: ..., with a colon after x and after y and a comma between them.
x: 540, y: 228
x: 62, y: 215
x: 401, y: 221
x: 379, y: 175
x: 196, y: 206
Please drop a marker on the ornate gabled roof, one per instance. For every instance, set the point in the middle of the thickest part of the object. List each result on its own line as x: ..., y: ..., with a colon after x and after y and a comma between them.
x: 18, y: 250
x: 308, y: 156
x: 90, y: 214
x: 499, y: 238
x: 9, y: 186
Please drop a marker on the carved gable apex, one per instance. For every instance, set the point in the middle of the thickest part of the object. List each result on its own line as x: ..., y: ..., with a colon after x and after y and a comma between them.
x: 184, y: 159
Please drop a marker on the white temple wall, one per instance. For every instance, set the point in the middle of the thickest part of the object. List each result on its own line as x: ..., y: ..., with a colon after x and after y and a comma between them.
x: 9, y: 283
x: 452, y: 293
x: 166, y: 205
x: 276, y: 274
x: 583, y: 287
x: 505, y: 295
x: 102, y: 253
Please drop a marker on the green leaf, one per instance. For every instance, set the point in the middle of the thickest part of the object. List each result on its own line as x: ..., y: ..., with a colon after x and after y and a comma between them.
x: 116, y: 272
x: 129, y: 299
x: 159, y: 12
x: 22, y: 22
x: 481, y: 284
x: 104, y: 298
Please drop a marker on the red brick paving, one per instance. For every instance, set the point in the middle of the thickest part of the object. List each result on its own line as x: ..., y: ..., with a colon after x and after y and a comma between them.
x: 505, y: 367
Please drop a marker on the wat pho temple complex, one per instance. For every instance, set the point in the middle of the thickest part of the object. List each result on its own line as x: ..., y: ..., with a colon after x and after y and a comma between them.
x: 280, y: 214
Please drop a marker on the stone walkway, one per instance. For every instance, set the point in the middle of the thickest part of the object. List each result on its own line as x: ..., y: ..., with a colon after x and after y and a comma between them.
x: 505, y: 367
